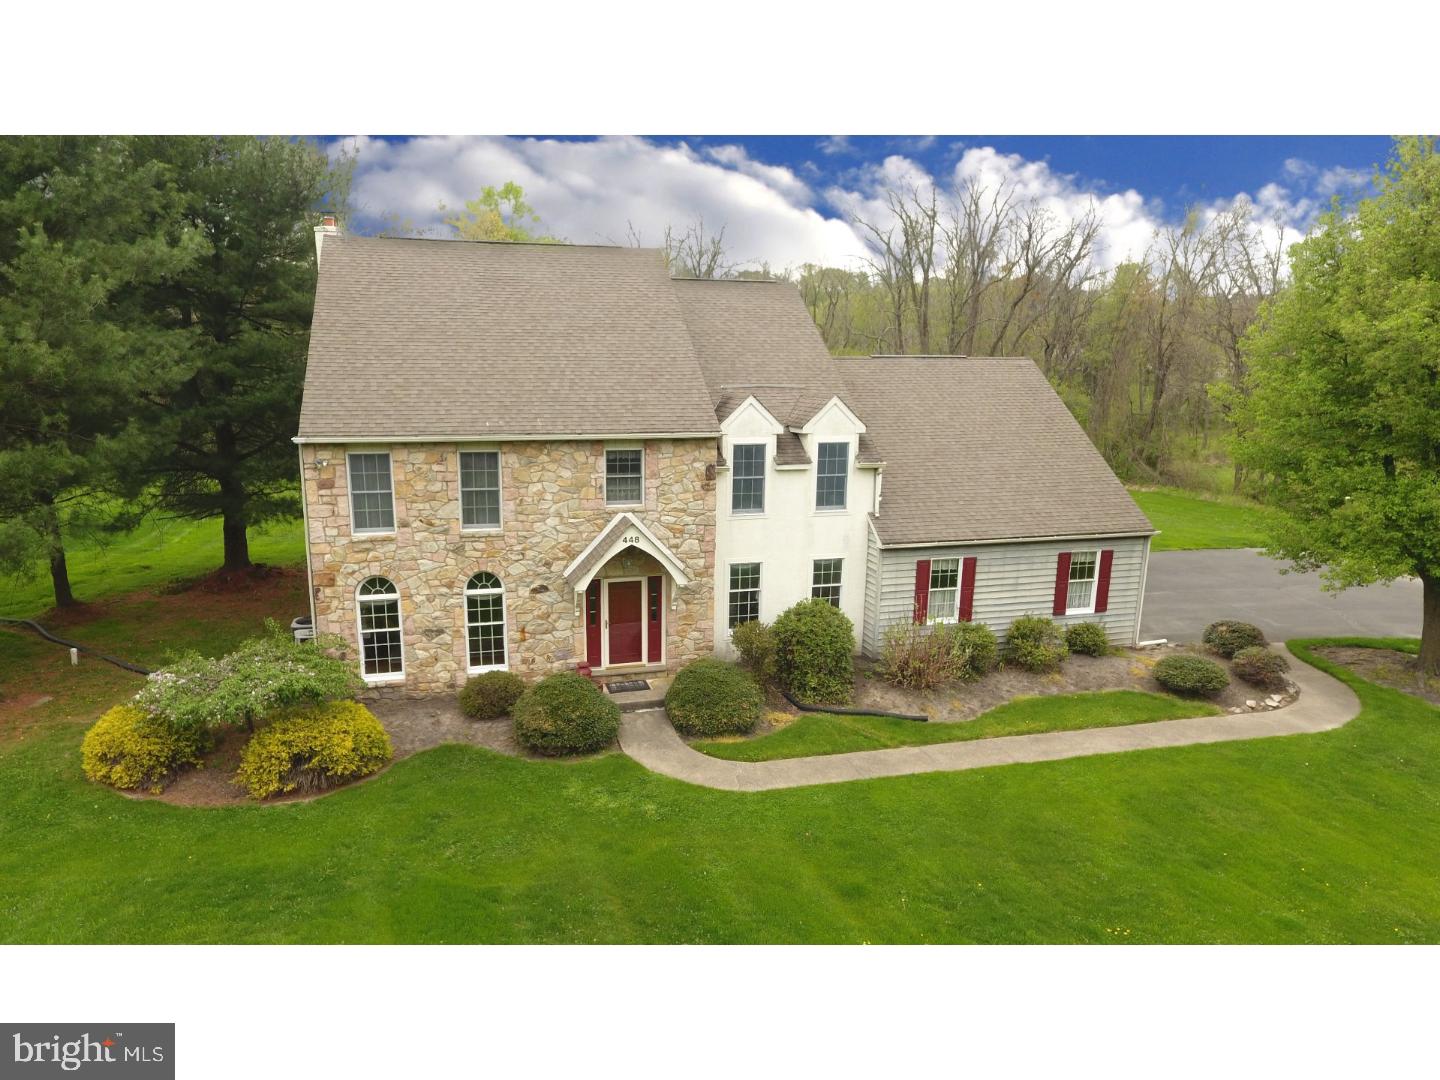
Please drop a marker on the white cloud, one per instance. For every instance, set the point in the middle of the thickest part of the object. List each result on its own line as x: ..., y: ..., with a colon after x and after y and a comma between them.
x: 587, y: 191
x: 836, y: 144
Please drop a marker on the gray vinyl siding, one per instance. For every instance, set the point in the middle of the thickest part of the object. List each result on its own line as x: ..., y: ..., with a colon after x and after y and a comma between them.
x: 870, y: 632
x: 1011, y: 580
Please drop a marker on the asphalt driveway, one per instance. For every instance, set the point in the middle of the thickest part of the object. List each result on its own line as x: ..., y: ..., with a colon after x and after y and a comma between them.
x: 1188, y: 590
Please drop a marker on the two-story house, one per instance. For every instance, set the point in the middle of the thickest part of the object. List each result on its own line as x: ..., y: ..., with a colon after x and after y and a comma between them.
x: 539, y: 456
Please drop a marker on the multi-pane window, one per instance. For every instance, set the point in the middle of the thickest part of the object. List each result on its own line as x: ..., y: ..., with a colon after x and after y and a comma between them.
x: 380, y: 649
x: 480, y: 489
x: 747, y: 478
x: 831, y: 472
x: 485, y: 621
x: 1081, y: 596
x: 943, y: 604
x: 825, y: 580
x: 372, y: 503
x: 624, y: 477
x: 744, y: 592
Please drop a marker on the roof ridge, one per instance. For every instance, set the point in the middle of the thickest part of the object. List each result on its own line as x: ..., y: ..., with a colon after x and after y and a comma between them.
x: 558, y: 244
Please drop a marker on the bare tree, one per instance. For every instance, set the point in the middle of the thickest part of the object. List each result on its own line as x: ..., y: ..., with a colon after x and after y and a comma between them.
x: 972, y: 233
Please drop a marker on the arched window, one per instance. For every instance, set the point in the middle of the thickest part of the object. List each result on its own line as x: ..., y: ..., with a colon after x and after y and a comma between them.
x: 378, y: 608
x: 485, y: 622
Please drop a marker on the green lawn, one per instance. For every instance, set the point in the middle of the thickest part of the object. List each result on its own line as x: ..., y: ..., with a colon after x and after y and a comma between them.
x: 1308, y: 838
x: 826, y: 733
x: 160, y: 550
x: 1187, y: 520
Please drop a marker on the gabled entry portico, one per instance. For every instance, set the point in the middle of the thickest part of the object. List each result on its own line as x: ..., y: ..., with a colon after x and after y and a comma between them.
x: 624, y: 581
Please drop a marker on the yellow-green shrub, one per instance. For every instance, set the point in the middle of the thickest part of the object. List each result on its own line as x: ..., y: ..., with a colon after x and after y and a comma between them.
x: 313, y: 747
x: 125, y: 748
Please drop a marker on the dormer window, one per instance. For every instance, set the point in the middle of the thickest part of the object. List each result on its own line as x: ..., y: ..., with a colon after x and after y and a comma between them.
x: 832, y: 473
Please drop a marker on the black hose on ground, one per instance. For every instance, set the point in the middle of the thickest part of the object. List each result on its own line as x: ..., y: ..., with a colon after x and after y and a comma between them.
x: 76, y: 645
x: 854, y: 712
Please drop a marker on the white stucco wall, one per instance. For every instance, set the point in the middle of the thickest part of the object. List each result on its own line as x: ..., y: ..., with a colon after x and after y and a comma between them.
x: 1011, y: 580
x: 790, y: 534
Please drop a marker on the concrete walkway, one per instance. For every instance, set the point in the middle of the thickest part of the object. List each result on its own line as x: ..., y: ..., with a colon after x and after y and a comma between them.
x: 647, y: 736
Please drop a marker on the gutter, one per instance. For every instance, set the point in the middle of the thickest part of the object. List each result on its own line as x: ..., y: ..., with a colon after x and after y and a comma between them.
x: 471, y: 437
x: 1021, y: 539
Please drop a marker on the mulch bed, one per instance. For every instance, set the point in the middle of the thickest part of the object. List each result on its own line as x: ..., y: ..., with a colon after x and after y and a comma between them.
x: 1129, y: 669
x: 413, y: 725
x: 1397, y: 670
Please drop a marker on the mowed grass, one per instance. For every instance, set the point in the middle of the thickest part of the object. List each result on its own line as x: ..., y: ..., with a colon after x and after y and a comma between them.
x: 1188, y: 521
x: 160, y: 550
x: 1307, y: 838
x: 828, y: 733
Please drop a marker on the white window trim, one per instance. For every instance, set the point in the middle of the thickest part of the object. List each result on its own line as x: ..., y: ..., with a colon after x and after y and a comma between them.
x: 954, y: 616
x: 840, y: 596
x: 764, y: 445
x: 471, y: 669
x: 351, y: 451
x: 1094, y: 582
x: 849, y: 471
x: 389, y: 676
x: 605, y: 474
x: 759, y: 590
x: 500, y: 491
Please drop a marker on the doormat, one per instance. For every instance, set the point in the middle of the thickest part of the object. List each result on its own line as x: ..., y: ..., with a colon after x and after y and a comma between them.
x: 627, y: 687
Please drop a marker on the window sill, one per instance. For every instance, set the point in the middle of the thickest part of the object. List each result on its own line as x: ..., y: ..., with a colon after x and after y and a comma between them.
x: 481, y: 530
x: 489, y: 667
x: 748, y: 514
x: 625, y: 506
x: 830, y: 511
x: 371, y: 534
x: 1079, y: 611
x: 381, y: 680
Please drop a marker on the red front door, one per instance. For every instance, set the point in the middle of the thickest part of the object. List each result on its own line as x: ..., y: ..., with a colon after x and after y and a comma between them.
x: 626, y: 623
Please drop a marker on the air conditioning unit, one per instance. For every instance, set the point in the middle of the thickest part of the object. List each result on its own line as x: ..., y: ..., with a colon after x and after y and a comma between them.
x: 302, y: 628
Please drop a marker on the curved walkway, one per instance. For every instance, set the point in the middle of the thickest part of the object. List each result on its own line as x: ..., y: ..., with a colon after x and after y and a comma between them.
x: 648, y: 737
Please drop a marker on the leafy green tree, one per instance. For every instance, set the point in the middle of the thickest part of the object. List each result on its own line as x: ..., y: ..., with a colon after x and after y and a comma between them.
x: 84, y: 226
x: 1344, y: 413
x: 499, y: 214
x: 211, y: 433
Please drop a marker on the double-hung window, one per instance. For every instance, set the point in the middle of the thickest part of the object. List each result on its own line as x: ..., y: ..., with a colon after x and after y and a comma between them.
x: 944, y: 590
x: 485, y: 622
x: 1081, y: 595
x: 381, y: 652
x: 825, y: 580
x: 624, y: 477
x: 832, y: 470
x: 744, y: 592
x: 372, y: 500
x: 747, y: 478
x: 480, y: 489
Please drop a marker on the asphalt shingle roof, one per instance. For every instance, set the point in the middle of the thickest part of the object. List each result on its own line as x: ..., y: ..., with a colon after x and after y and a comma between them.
x: 981, y: 449
x: 439, y: 339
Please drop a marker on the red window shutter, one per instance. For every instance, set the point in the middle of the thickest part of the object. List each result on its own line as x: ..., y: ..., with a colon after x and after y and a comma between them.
x: 922, y: 589
x: 1062, y: 583
x: 592, y: 624
x: 967, y: 588
x: 1102, y: 585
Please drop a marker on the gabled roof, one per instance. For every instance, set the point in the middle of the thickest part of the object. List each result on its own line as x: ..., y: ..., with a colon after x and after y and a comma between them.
x: 609, y: 540
x: 981, y: 449
x: 422, y: 339
x: 756, y: 338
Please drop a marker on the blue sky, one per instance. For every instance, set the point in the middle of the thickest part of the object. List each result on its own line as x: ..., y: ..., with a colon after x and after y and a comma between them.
x: 792, y: 199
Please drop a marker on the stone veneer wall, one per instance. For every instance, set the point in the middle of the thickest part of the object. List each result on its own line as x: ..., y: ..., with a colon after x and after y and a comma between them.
x: 552, y: 496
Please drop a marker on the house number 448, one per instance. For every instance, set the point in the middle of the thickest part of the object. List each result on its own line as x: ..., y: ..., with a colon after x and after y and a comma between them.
x: 631, y: 538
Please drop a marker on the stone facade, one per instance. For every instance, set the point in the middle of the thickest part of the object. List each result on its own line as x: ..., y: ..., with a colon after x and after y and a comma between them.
x: 553, y: 506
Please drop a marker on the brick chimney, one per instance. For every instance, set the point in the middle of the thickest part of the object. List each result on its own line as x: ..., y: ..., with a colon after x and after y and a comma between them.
x: 327, y: 227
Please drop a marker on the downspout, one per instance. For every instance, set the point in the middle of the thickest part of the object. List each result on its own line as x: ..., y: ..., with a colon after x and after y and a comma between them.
x: 1140, y: 603
x: 305, y: 520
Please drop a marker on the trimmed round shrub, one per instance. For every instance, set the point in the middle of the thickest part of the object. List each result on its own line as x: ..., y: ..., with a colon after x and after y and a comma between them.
x: 565, y: 713
x: 1087, y: 639
x: 1259, y: 666
x: 1192, y: 675
x: 815, y: 653
x: 711, y: 697
x: 755, y: 642
x: 313, y: 747
x: 1228, y: 638
x: 490, y: 694
x: 1034, y: 643
x: 127, y: 748
x: 974, y: 649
